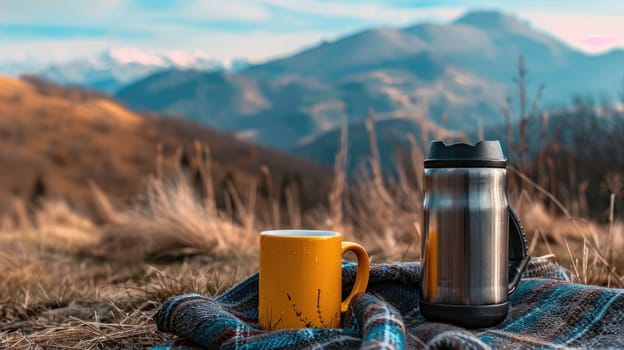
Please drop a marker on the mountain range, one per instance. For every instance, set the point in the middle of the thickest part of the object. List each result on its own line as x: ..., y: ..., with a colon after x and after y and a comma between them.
x: 431, y: 79
x: 456, y: 74
x: 112, y: 69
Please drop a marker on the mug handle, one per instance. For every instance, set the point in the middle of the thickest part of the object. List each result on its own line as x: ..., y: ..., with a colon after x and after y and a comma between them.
x: 518, y: 255
x: 363, y: 270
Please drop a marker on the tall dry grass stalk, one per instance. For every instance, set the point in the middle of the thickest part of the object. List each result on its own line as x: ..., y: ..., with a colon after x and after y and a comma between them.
x: 103, y: 206
x: 337, y: 192
x: 203, y: 159
x: 526, y: 114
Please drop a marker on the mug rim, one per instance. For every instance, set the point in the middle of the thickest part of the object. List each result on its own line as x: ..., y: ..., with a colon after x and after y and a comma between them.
x: 300, y: 233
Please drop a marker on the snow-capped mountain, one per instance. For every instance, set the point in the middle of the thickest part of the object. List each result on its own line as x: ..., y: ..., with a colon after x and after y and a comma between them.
x: 110, y: 70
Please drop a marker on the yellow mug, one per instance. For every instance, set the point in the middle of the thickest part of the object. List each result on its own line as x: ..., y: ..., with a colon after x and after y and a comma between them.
x: 301, y: 278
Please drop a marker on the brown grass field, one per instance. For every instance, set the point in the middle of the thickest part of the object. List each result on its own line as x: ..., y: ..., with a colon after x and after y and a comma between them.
x: 68, y: 281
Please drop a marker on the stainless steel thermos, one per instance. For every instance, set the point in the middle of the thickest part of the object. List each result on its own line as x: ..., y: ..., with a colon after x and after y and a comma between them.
x: 473, y: 248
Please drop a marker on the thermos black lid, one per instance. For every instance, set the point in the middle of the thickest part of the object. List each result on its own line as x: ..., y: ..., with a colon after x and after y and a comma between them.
x: 484, y: 154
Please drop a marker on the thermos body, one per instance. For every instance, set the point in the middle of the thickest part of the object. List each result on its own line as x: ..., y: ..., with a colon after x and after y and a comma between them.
x: 465, y: 245
x: 473, y: 250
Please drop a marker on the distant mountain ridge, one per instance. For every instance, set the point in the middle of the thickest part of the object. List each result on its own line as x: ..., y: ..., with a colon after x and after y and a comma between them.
x: 112, y: 69
x: 460, y: 73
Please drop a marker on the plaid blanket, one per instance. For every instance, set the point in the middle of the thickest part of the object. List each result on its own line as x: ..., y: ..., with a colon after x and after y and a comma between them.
x: 546, y: 312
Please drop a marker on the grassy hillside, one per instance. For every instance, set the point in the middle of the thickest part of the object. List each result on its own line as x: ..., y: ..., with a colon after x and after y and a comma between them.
x: 55, y: 142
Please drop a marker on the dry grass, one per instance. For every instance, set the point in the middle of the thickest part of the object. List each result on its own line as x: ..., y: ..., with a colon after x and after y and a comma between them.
x: 171, y: 221
x: 56, y: 301
x: 68, y: 283
x: 588, y: 249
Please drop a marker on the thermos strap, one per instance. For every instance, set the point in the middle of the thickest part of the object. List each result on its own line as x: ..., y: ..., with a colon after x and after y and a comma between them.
x: 518, y: 254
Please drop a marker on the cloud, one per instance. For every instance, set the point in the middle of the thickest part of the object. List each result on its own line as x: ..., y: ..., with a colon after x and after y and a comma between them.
x: 202, y: 10
x: 117, y: 16
x: 578, y: 29
x: 256, y: 46
x: 228, y: 10
x: 377, y: 12
x: 58, y: 11
x: 260, y: 46
x: 52, y: 50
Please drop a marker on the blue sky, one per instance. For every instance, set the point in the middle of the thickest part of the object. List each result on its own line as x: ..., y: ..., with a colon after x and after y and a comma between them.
x: 259, y: 30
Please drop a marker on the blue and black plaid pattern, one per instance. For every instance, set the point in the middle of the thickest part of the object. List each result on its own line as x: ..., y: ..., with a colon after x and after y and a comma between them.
x: 546, y: 312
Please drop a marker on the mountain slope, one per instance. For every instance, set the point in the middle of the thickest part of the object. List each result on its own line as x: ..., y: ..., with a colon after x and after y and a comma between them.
x: 209, y: 97
x: 348, y: 55
x: 60, y: 139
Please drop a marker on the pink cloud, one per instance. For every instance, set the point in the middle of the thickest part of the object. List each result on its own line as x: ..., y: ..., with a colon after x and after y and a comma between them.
x: 599, y: 40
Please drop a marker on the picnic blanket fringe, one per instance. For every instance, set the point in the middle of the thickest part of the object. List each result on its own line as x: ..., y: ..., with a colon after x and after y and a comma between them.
x: 546, y: 312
